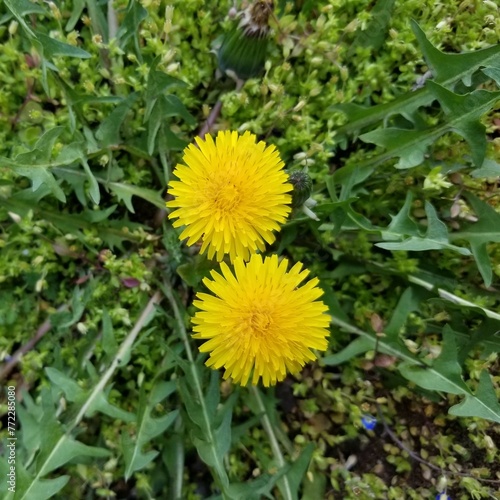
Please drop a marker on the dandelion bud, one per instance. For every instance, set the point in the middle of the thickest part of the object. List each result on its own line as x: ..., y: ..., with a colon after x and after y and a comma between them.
x: 243, y: 49
x: 302, y: 187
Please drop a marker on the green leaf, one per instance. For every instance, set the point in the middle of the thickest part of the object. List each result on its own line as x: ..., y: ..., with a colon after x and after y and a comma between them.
x: 121, y: 190
x: 125, y: 192
x: 222, y: 443
x: 54, y: 48
x: 158, y: 84
x: 402, y: 223
x: 390, y: 343
x: 134, y: 458
x: 358, y: 346
x: 340, y: 210
x: 463, y: 115
x: 211, y: 440
x: 113, y: 232
x: 98, y: 19
x: 147, y: 428
x: 258, y: 488
x: 479, y: 234
x: 299, y: 468
x: 487, y: 336
x: 493, y: 73
x: 483, y: 404
x: 490, y: 168
x: 444, y: 374
x: 192, y: 406
x: 329, y: 297
x: 66, y: 449
x: 165, y: 106
x: 375, y: 33
x: 174, y: 458
x: 168, y: 141
x: 436, y: 237
x: 43, y: 488
x: 449, y: 68
x: 38, y: 163
x: 193, y: 271
x: 434, y: 282
x: 410, y: 301
x: 35, y: 164
x: 71, y: 389
x: 129, y: 27
x: 315, y: 485
x: 76, y: 14
x: 361, y: 117
x: 409, y: 145
x: 74, y: 393
x: 109, y: 343
x: 21, y: 8
x: 54, y: 447
x: 223, y: 432
x: 64, y: 319
x: 102, y: 405
x: 93, y: 190
x: 109, y: 129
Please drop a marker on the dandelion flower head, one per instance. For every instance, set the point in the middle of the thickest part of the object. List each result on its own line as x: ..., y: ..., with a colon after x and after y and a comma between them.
x: 260, y: 323
x: 232, y: 193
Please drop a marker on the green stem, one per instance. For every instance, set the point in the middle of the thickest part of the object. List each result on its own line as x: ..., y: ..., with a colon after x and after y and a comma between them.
x: 179, y: 461
x: 441, y: 292
x: 451, y: 297
x: 98, y: 389
x: 221, y: 480
x: 167, y: 290
x: 122, y: 352
x: 273, y: 440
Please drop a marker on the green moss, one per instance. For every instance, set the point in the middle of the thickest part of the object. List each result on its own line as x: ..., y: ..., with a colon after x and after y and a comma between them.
x: 316, y: 60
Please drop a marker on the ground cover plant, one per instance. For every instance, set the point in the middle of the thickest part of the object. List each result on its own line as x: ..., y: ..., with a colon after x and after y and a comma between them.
x: 307, y: 307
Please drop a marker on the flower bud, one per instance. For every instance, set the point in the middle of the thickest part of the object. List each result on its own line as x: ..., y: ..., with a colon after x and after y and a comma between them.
x: 302, y: 187
x: 243, y: 48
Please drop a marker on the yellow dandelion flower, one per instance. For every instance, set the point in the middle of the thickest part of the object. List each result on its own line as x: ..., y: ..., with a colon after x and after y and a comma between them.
x: 260, y: 320
x: 231, y: 194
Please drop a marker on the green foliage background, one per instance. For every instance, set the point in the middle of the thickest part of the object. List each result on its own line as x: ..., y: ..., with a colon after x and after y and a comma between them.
x: 99, y: 99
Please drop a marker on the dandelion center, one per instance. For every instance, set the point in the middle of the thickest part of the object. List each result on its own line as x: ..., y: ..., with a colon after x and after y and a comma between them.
x: 227, y: 198
x: 259, y: 323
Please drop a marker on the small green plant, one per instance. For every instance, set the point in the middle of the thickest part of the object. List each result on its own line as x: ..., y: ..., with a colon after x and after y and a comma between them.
x: 385, y: 115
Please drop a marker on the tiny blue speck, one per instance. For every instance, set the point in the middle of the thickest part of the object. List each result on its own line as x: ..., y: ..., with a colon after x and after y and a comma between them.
x: 369, y: 422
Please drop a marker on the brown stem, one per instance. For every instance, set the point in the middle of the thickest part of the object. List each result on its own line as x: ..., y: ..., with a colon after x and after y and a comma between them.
x: 29, y: 95
x: 214, y: 114
x: 42, y: 330
x: 416, y: 457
